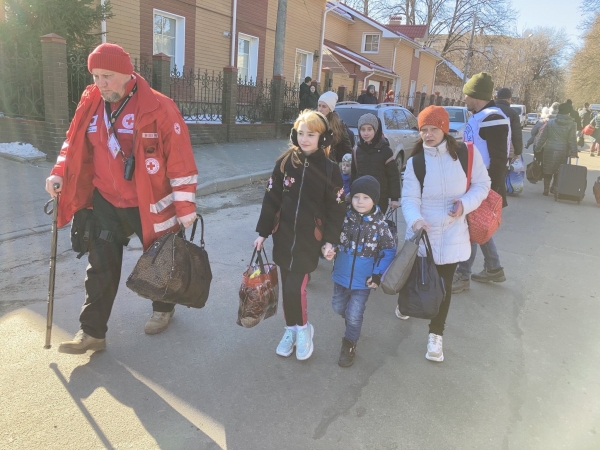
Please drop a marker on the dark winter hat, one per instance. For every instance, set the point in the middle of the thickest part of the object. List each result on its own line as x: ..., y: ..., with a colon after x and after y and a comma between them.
x: 110, y: 57
x: 504, y: 94
x: 368, y: 119
x: 366, y: 185
x: 564, y: 108
x: 480, y: 86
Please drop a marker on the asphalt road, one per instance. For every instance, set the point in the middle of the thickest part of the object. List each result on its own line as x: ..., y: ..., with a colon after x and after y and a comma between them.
x: 521, y: 367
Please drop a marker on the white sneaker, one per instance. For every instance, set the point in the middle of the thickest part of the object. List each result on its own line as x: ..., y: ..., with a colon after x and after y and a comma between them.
x: 399, y: 315
x: 435, y: 349
x: 287, y: 343
x: 304, y: 342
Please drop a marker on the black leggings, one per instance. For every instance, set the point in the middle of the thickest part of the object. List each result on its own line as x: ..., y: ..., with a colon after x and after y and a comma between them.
x: 446, y: 271
x: 293, y: 288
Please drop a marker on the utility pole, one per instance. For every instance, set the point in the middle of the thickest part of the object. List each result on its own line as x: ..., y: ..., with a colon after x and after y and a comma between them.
x: 470, y: 50
x: 280, y: 37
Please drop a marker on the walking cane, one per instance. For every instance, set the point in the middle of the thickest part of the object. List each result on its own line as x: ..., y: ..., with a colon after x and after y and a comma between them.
x: 53, y: 245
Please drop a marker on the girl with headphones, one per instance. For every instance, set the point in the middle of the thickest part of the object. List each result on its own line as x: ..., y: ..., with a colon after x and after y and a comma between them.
x: 303, y: 208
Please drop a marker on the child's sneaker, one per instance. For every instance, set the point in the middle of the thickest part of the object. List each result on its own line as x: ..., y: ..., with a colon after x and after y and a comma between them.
x: 304, y: 342
x: 435, y: 349
x: 347, y: 353
x: 399, y: 315
x: 287, y: 343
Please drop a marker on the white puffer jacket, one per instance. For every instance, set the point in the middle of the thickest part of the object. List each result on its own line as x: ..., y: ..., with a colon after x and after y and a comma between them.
x: 445, y: 181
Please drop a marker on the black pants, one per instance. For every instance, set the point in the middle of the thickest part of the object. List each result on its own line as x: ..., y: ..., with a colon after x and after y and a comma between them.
x: 104, y: 269
x: 293, y: 288
x: 446, y: 271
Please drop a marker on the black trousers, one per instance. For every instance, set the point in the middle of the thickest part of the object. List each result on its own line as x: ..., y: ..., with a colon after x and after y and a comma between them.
x: 293, y: 288
x: 446, y: 271
x: 105, y: 260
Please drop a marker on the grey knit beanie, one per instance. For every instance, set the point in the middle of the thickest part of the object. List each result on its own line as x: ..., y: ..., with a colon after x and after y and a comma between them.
x: 368, y: 119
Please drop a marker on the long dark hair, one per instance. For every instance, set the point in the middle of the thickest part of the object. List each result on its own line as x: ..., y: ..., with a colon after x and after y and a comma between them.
x: 451, y: 144
x: 336, y: 124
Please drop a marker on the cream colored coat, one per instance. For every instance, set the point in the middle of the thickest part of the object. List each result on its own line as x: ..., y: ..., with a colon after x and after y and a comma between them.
x: 445, y: 181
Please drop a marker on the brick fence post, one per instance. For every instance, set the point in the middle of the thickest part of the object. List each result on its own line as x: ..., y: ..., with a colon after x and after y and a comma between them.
x: 161, y: 73
x: 341, y: 93
x: 277, y: 95
x: 229, y: 100
x: 431, y: 100
x: 56, y: 93
x: 438, y: 99
x: 417, y: 102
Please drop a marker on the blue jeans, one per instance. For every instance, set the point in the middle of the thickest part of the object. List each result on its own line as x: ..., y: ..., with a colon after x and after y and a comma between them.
x: 491, y: 260
x: 350, y: 304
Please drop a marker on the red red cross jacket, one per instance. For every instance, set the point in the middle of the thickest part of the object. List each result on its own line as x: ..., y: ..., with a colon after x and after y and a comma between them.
x: 165, y: 169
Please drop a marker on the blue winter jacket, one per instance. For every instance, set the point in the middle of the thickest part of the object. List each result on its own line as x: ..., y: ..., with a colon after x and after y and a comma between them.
x: 367, y: 248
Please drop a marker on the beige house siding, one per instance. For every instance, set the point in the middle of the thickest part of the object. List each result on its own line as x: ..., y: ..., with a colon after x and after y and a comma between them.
x: 404, y: 55
x: 212, y: 48
x: 270, y: 40
x: 303, y: 32
x: 336, y: 29
x: 386, y: 46
x: 124, y: 27
x: 426, y: 69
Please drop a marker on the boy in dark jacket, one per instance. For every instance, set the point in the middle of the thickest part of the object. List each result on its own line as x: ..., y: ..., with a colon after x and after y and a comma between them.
x: 373, y: 156
x: 366, y: 250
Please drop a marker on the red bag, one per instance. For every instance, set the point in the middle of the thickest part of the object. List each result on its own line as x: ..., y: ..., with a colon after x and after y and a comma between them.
x: 485, y: 220
x: 588, y: 130
x: 596, y: 190
x: 259, y: 292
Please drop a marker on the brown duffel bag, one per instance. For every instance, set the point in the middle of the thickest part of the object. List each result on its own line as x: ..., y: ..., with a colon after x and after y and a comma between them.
x: 174, y: 270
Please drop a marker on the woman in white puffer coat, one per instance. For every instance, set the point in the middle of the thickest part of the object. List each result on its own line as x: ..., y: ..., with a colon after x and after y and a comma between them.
x: 439, y: 203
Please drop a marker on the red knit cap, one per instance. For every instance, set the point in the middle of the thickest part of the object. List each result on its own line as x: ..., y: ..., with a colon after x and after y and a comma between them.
x: 110, y: 57
x: 436, y: 116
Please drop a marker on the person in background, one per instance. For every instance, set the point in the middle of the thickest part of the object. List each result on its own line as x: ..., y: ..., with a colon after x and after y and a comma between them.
x: 373, y: 156
x: 595, y: 148
x: 585, y: 115
x: 90, y: 174
x: 489, y: 130
x: 310, y: 99
x: 547, y: 114
x: 369, y: 97
x: 304, y: 89
x: 439, y: 203
x: 343, y: 138
x: 303, y: 208
x: 365, y: 252
x: 390, y: 97
x: 574, y: 115
x: 503, y: 100
x: 346, y: 168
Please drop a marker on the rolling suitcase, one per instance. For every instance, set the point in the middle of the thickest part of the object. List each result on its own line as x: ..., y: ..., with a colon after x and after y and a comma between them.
x: 572, y: 181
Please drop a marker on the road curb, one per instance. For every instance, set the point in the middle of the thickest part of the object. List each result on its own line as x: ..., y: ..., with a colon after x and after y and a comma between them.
x: 210, y: 187
x: 34, y: 159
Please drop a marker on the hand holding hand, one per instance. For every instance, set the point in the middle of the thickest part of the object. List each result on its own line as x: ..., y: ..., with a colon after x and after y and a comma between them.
x: 50, y: 182
x: 258, y: 243
x: 328, y: 251
x: 420, y: 224
x: 458, y: 209
x: 394, y: 204
x: 373, y: 281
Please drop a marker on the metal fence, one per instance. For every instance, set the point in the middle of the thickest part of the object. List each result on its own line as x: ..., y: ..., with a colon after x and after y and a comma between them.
x: 198, y: 94
x: 78, y: 78
x: 291, y: 102
x: 21, y: 82
x: 144, y: 68
x: 254, y: 103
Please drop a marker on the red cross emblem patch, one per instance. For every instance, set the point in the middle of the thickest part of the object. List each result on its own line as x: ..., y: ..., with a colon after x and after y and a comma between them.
x: 128, y: 121
x: 152, y: 166
x: 177, y: 128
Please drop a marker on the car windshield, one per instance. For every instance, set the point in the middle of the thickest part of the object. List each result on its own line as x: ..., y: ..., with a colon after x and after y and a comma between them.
x: 517, y: 109
x: 350, y: 116
x: 532, y: 116
x: 456, y: 115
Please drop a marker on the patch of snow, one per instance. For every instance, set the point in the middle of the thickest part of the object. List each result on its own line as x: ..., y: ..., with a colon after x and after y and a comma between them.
x: 21, y: 149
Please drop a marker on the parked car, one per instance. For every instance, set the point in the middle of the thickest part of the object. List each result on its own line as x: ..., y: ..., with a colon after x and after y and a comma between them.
x: 522, y: 112
x: 459, y: 116
x: 532, y: 118
x: 399, y: 126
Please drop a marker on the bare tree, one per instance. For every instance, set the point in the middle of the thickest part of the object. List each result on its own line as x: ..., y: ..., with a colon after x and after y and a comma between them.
x: 582, y: 83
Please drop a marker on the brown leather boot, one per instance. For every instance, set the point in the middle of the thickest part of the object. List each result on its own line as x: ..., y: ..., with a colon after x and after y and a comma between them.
x: 81, y: 343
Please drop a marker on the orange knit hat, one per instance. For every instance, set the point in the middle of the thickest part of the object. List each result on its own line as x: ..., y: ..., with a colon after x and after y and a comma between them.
x: 436, y: 116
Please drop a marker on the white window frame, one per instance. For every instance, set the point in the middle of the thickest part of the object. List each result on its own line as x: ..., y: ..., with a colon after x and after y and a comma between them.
x: 252, y: 56
x: 417, y: 53
x: 309, y: 65
x: 179, y: 36
x: 364, y: 42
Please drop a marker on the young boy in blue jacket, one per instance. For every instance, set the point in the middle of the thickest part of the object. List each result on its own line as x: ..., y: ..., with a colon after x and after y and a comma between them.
x: 366, y: 250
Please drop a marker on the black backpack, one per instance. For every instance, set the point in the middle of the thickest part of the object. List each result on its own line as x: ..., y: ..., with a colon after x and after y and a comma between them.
x: 419, y: 163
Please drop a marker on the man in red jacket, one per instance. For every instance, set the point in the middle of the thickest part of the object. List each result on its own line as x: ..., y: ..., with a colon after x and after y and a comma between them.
x: 127, y: 156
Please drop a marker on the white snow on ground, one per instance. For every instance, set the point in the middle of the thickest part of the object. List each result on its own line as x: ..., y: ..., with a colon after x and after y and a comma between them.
x: 21, y: 149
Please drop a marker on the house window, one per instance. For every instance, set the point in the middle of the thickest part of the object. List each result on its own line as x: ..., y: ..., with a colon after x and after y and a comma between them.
x: 370, y: 43
x: 247, y: 57
x: 303, y: 67
x: 169, y: 37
